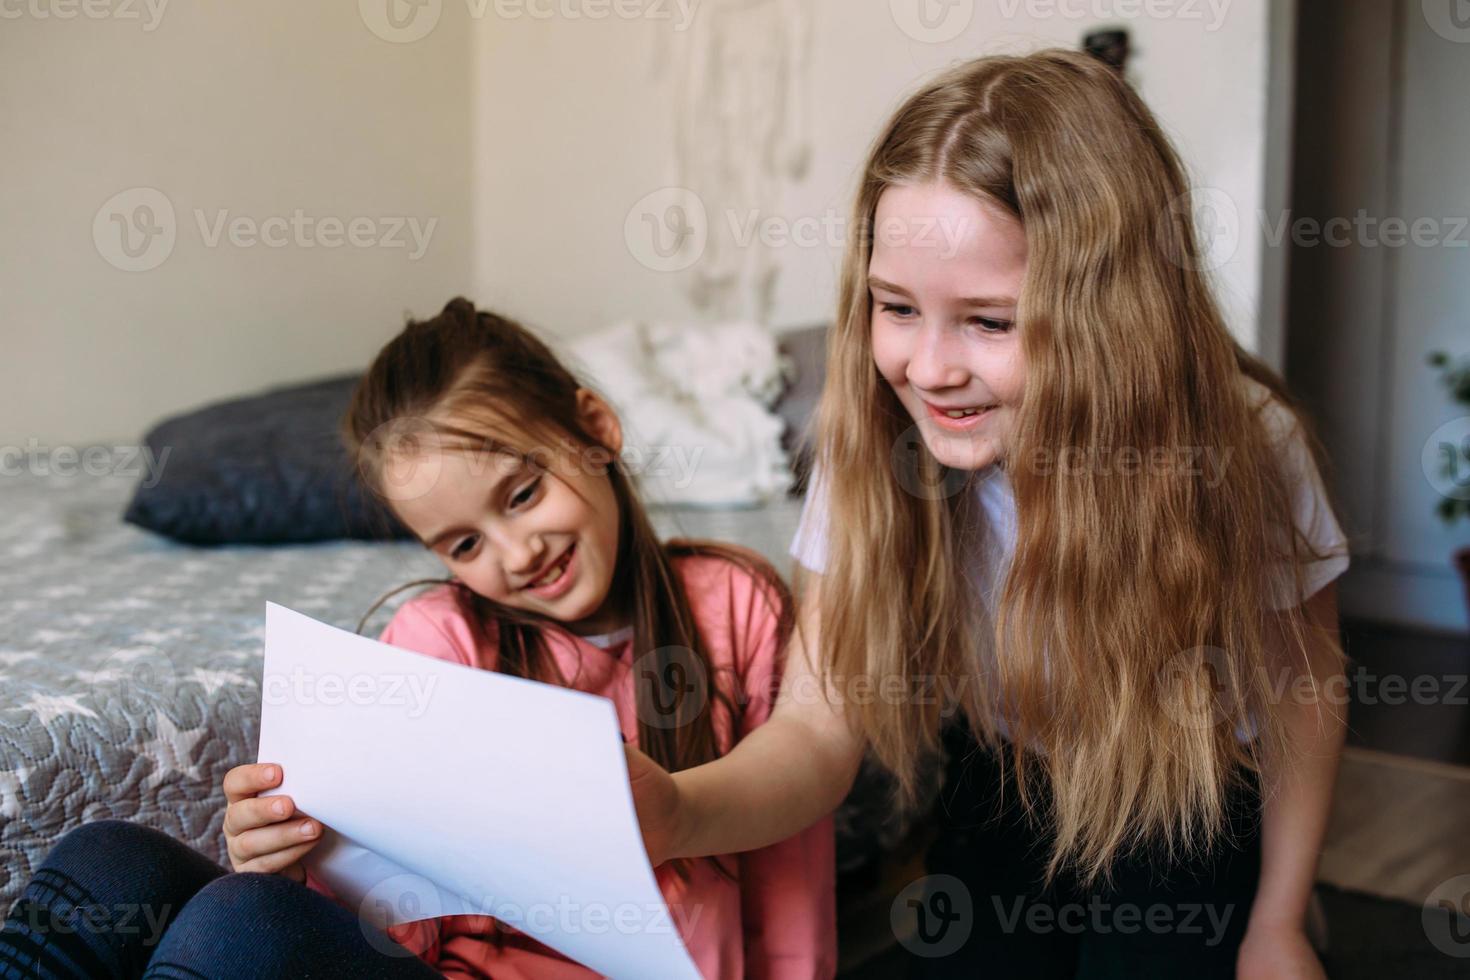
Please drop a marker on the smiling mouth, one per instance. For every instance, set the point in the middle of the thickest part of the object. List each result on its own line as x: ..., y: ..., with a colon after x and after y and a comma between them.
x: 961, y: 417
x: 552, y: 574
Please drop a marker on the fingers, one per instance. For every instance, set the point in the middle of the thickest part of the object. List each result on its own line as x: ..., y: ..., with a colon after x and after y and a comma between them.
x: 257, y: 811
x: 270, y: 861
x: 260, y: 832
x: 263, y: 842
x: 242, y: 782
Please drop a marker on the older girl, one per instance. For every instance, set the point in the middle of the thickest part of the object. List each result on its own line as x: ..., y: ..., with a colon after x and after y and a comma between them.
x: 1054, y: 494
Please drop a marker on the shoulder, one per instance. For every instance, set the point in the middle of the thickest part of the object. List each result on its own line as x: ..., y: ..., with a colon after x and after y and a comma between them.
x: 739, y: 595
x: 1310, y: 503
x: 434, y: 624
x: 741, y: 578
x: 1287, y: 438
x: 1280, y: 421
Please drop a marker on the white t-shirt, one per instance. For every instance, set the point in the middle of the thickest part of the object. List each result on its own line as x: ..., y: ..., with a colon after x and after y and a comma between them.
x: 1310, y: 507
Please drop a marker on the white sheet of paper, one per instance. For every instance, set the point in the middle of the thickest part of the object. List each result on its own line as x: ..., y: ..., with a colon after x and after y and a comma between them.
x: 452, y: 790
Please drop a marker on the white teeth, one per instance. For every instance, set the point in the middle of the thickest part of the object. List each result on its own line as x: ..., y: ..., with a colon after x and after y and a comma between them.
x: 552, y: 574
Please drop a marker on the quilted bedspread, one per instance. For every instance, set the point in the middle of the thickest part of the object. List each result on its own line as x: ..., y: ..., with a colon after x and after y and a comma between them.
x: 130, y: 665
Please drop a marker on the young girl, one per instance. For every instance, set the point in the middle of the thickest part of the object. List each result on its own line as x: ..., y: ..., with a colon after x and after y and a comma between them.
x: 507, y: 468
x: 1053, y: 493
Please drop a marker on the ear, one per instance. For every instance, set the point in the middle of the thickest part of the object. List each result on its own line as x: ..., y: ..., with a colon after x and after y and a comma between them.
x: 599, y: 418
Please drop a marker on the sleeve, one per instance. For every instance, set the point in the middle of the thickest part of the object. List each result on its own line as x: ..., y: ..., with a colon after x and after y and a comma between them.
x: 1311, y: 513
x: 788, y: 891
x: 809, y: 546
x: 424, y: 626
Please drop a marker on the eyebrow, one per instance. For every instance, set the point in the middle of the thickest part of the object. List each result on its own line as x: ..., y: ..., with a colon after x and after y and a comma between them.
x: 495, y: 488
x: 875, y: 283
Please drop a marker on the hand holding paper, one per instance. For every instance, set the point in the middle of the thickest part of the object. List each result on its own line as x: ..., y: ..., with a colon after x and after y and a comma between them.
x: 264, y: 832
x: 450, y: 790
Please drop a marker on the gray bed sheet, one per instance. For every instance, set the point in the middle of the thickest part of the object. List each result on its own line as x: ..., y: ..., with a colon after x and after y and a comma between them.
x: 130, y: 664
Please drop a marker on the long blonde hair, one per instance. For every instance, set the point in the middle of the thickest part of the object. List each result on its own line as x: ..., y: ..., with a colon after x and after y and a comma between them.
x: 1124, y: 587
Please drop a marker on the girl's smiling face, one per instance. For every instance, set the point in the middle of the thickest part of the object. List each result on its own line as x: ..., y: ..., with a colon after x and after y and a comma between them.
x: 543, y: 538
x: 945, y: 277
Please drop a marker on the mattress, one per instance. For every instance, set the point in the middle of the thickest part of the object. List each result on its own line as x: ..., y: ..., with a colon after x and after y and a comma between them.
x: 130, y: 664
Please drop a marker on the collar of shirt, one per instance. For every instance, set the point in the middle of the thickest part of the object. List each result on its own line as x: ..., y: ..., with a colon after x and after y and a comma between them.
x: 610, y: 641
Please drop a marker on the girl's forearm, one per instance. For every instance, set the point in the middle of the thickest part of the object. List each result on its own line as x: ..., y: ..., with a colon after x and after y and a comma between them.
x: 1294, y: 820
x: 780, y: 779
x: 1299, y: 795
x: 786, y: 774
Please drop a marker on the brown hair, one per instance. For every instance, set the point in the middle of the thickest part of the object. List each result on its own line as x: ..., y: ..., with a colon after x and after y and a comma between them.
x: 519, y: 399
x: 1115, y: 577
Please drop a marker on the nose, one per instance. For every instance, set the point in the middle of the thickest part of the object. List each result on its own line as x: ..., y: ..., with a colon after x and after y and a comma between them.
x: 935, y: 363
x: 521, y: 554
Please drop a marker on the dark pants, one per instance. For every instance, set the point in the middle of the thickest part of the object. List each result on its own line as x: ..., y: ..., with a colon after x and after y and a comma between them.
x: 982, y: 911
x: 114, y: 899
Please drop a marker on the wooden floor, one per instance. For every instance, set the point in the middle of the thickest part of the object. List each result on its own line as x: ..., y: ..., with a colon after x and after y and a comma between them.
x: 1402, y: 806
x: 1398, y: 827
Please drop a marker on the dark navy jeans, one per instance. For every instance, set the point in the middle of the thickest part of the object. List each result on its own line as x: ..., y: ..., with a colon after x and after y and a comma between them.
x: 114, y: 899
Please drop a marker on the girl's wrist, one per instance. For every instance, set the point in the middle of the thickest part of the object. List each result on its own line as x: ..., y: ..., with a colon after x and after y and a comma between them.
x: 681, y: 818
x: 1270, y: 919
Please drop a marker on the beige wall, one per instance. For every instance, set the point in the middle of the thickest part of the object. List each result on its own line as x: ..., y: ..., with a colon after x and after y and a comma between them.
x: 589, y: 131
x: 254, y: 109
x: 527, y: 138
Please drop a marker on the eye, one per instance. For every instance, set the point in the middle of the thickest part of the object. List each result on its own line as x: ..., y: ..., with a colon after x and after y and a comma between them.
x: 526, y: 493
x: 898, y: 310
x: 993, y: 326
x: 459, y: 551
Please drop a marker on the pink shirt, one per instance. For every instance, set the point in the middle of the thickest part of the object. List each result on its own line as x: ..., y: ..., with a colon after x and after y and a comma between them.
x: 777, y: 921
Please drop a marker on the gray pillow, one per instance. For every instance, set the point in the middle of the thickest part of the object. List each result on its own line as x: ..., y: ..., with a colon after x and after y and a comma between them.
x: 264, y: 469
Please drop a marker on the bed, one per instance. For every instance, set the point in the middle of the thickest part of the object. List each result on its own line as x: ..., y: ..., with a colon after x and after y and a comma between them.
x: 130, y: 664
